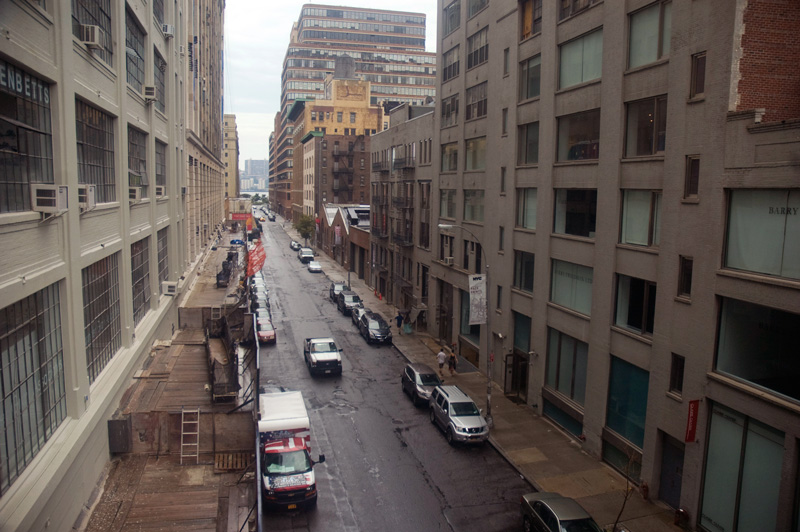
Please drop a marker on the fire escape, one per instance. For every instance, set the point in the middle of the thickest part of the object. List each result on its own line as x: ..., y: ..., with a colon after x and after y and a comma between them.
x: 343, y: 171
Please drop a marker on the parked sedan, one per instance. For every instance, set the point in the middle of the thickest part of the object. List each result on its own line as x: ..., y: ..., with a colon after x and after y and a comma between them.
x: 418, y: 381
x: 334, y: 290
x: 315, y: 267
x: 295, y: 245
x: 374, y: 329
x: 356, y: 314
x: 266, y: 332
x: 552, y: 512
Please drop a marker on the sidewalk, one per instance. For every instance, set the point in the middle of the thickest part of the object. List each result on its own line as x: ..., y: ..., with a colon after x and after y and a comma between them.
x: 544, y: 455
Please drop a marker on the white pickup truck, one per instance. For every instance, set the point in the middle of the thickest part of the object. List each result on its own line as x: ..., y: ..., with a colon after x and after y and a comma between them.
x: 322, y: 356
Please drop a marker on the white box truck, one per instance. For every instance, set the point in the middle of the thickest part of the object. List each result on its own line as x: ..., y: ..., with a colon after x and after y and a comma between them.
x: 285, y: 452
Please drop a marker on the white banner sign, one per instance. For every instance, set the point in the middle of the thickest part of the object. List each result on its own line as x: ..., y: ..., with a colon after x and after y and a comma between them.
x: 477, y: 299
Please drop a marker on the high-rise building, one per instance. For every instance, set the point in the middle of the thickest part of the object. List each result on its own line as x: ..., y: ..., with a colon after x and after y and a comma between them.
x: 94, y: 221
x: 205, y: 179
x: 331, y: 136
x: 628, y: 174
x: 389, y: 51
x: 230, y: 157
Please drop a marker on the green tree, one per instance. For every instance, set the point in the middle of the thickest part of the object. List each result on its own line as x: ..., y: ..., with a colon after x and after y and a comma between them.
x: 305, y: 226
x: 256, y: 199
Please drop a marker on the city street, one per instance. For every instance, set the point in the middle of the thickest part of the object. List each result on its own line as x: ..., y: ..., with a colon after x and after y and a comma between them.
x: 387, y: 467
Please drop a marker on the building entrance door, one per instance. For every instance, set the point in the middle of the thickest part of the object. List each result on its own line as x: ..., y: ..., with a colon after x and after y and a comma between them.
x: 516, y: 375
x: 669, y: 489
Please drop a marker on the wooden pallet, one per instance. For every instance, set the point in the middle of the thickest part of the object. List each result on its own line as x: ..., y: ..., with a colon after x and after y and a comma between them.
x: 231, y: 461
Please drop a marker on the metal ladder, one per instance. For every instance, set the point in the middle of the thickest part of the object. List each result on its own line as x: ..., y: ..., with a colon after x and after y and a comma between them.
x: 190, y: 434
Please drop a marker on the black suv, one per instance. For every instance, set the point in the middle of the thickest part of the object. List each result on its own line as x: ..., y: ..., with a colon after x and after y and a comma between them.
x: 374, y: 328
x: 347, y: 301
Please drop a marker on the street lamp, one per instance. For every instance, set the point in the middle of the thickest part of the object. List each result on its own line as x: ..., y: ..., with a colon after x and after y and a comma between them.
x: 490, y: 355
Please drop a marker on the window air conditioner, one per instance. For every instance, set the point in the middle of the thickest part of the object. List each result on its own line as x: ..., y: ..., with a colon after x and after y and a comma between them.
x: 161, y: 191
x: 91, y: 36
x: 86, y: 197
x: 149, y: 93
x: 51, y: 199
x: 181, y: 50
x: 448, y: 261
x: 169, y: 30
x: 135, y: 194
x: 169, y: 288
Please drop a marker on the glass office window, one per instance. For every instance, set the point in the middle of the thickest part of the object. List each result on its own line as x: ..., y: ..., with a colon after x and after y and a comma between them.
x: 571, y: 286
x: 526, y: 208
x: 764, y: 231
x: 626, y: 410
x: 581, y: 60
x: 101, y: 313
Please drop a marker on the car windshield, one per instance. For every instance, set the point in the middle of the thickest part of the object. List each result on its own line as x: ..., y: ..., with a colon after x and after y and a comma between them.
x: 289, y: 463
x: 580, y: 525
x: 323, y: 347
x: 465, y: 409
x: 428, y: 379
x: 352, y: 299
x: 376, y: 324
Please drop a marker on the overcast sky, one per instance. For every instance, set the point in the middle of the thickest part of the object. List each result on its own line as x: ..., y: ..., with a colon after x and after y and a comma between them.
x: 256, y: 39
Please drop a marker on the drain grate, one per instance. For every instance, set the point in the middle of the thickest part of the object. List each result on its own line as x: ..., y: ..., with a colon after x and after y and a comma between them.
x: 232, y: 461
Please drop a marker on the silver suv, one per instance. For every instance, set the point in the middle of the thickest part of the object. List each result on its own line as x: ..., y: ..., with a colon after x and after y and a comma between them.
x: 456, y: 414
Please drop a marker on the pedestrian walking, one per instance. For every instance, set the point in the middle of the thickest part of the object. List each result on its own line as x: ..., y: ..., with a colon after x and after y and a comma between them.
x: 441, y: 358
x: 451, y: 363
x: 399, y: 320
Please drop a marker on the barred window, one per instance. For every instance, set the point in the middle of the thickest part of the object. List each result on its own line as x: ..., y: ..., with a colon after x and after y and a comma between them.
x: 140, y: 275
x: 101, y: 317
x: 26, y: 137
x: 94, y: 13
x: 158, y: 10
x: 31, y: 380
x: 163, y: 262
x: 161, y: 164
x: 159, y: 67
x: 134, y: 51
x: 476, y: 101
x: 95, y: 144
x: 137, y: 159
x: 478, y: 48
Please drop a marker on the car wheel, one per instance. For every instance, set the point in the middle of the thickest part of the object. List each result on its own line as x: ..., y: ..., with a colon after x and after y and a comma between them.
x: 433, y: 417
x: 449, y: 436
x: 526, y: 524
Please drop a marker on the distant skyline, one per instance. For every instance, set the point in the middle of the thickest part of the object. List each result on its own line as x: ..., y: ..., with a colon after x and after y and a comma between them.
x: 256, y: 39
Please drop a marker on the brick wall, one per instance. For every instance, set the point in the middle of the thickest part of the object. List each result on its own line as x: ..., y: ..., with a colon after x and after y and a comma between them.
x: 770, y: 63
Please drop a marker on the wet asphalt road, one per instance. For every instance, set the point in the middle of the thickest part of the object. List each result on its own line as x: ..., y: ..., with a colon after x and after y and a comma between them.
x: 387, y: 467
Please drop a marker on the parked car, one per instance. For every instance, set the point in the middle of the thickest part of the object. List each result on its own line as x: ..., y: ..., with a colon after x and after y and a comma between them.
x: 263, y: 314
x: 305, y: 255
x: 347, y: 301
x: 374, y: 329
x: 356, y: 314
x: 333, y: 291
x: 418, y: 381
x: 457, y: 415
x: 315, y: 267
x: 295, y: 245
x: 271, y: 216
x: 552, y: 512
x: 266, y: 332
